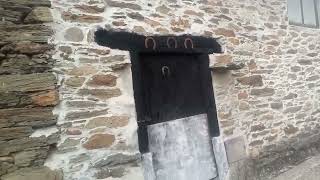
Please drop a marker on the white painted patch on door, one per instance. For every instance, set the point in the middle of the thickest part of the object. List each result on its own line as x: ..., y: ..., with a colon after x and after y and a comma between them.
x: 181, y: 149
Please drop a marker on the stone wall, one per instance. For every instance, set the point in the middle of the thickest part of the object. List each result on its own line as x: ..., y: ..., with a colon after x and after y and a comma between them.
x: 270, y: 99
x: 28, y: 89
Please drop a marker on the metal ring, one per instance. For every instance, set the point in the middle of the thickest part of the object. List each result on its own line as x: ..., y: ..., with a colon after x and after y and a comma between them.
x: 146, y: 42
x: 164, y: 69
x: 175, y: 42
x: 188, y: 40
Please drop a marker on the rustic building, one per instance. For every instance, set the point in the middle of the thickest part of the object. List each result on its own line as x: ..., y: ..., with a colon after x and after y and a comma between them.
x: 68, y: 103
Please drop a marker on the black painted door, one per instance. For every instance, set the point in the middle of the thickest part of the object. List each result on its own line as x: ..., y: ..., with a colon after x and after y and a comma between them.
x: 173, y: 86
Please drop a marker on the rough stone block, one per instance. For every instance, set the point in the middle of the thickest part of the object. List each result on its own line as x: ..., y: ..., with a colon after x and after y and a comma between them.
x: 99, y: 141
x: 42, y: 173
x: 236, y: 149
x: 262, y: 92
x: 29, y: 3
x: 81, y: 18
x: 35, y: 33
x: 74, y: 34
x: 39, y: 15
x: 33, y: 117
x: 28, y: 83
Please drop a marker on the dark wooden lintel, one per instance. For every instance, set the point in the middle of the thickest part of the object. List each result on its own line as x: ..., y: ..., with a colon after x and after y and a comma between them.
x: 157, y: 44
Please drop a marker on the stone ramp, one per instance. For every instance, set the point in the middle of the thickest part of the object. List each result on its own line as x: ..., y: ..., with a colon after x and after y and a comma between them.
x: 307, y: 170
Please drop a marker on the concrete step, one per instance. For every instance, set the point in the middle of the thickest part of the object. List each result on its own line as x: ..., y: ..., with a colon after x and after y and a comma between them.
x: 307, y: 170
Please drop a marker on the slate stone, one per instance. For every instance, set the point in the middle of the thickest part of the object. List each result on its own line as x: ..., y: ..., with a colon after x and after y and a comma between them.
x: 16, y: 145
x: 25, y: 47
x: 123, y: 5
x: 111, y: 59
x: 15, y: 133
x: 39, y: 15
x: 81, y: 18
x: 136, y: 15
x: 27, y: 158
x: 22, y: 117
x: 85, y: 114
x: 28, y: 83
x: 102, y: 94
x: 42, y: 173
x: 117, y: 159
x: 29, y: 3
x: 22, y: 99
x: 262, y: 92
x: 35, y: 33
x: 11, y: 15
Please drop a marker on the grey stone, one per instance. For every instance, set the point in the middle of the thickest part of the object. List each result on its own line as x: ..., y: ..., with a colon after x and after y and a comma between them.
x: 39, y: 15
x: 117, y: 159
x: 69, y: 142
x: 79, y: 158
x: 29, y: 3
x: 10, y: 15
x: 15, y: 133
x: 26, y: 158
x: 236, y: 149
x: 16, y: 145
x: 85, y: 114
x: 22, y: 64
x: 313, y: 78
x: 262, y: 92
x: 37, y: 33
x: 290, y: 96
x: 293, y: 109
x: 28, y: 83
x: 305, y: 62
x: 123, y: 5
x: 111, y: 59
x: 42, y: 173
x: 74, y: 34
x: 136, y: 15
x: 276, y: 105
x: 254, y: 80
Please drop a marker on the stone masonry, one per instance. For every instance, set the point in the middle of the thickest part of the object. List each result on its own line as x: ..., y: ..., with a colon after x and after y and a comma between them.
x: 28, y: 91
x: 266, y: 84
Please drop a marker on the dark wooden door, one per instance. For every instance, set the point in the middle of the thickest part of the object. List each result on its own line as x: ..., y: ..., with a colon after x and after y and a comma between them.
x: 173, y: 86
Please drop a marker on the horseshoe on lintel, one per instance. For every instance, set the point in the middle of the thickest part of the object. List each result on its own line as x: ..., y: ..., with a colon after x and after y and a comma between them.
x: 147, y: 40
x: 188, y: 40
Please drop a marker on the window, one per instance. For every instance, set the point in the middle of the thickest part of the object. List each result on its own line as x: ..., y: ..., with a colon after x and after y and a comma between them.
x: 304, y: 12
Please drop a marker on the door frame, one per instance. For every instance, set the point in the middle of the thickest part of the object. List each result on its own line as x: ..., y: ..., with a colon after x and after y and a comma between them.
x: 183, y: 44
x: 207, y: 91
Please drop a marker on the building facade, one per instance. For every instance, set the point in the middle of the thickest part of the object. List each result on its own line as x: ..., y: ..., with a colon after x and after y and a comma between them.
x: 266, y: 85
